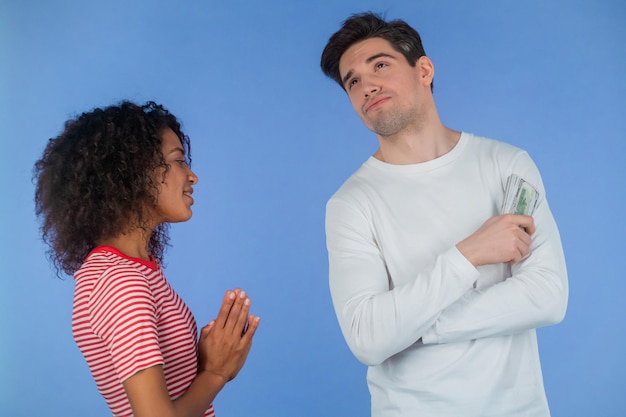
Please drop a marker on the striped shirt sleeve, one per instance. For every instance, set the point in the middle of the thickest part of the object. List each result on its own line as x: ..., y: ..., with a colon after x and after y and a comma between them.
x: 122, y: 313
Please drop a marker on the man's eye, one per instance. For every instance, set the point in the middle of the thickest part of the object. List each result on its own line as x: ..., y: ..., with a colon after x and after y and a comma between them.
x: 380, y: 65
x: 353, y: 82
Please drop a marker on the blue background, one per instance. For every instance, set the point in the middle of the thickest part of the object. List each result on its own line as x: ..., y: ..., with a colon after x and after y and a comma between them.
x: 272, y: 139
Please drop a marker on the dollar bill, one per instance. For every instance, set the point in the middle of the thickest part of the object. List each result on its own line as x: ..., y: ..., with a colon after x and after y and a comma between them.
x: 520, y: 197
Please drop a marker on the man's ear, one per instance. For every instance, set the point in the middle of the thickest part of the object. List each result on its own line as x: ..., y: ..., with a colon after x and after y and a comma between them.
x: 425, y: 69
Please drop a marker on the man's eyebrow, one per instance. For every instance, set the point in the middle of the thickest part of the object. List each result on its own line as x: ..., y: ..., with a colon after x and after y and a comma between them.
x: 368, y: 60
x: 379, y: 55
x: 345, y: 79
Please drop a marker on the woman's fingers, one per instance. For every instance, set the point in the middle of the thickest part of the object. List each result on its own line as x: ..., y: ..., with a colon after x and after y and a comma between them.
x: 233, y: 314
x: 236, y: 322
x: 227, y: 304
x: 225, y: 342
x: 253, y: 324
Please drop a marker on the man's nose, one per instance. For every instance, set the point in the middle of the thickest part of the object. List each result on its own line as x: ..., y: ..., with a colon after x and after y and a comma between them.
x: 370, y: 87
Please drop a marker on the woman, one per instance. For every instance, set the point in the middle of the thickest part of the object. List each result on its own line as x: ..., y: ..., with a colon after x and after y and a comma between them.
x: 107, y: 189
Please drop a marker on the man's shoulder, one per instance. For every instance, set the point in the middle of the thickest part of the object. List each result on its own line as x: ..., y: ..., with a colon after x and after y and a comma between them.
x: 489, y: 144
x: 484, y: 150
x: 354, y: 185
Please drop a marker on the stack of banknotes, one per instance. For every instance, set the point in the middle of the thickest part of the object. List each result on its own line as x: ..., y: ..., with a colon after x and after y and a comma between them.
x: 520, y: 197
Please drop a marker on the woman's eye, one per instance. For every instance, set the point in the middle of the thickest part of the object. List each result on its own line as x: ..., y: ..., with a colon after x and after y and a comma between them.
x: 181, y: 162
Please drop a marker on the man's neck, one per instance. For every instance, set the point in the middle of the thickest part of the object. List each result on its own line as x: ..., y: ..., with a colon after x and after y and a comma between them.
x: 415, y: 147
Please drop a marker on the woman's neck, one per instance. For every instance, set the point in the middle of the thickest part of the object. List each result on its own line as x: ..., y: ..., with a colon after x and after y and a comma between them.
x: 133, y: 244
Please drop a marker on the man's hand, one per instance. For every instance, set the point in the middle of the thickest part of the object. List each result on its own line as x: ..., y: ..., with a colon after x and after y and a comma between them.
x: 504, y: 238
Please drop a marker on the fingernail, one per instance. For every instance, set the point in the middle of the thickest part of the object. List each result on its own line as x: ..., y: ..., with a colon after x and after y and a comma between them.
x: 242, y: 294
x: 247, y: 302
x: 231, y: 295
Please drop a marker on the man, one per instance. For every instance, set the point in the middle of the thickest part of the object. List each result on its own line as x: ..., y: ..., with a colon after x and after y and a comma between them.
x: 436, y: 290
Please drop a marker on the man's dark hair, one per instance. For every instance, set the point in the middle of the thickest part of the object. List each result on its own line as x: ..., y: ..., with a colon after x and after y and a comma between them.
x: 359, y: 27
x: 97, y: 180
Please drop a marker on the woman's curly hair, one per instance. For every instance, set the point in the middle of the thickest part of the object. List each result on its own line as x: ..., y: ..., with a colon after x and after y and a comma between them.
x: 97, y: 180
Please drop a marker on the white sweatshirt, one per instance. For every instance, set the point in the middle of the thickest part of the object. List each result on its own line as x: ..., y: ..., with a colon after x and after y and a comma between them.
x: 441, y: 337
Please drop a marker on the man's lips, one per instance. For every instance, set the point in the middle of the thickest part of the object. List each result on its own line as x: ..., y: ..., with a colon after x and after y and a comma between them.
x: 375, y: 102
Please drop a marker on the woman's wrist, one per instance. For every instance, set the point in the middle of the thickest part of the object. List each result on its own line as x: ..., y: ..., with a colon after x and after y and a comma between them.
x: 211, y: 379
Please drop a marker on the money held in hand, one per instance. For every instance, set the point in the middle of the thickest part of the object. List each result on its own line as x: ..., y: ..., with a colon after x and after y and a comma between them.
x: 520, y: 197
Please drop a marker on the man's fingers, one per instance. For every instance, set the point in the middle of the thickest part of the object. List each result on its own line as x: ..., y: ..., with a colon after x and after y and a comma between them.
x: 523, y: 247
x: 525, y: 222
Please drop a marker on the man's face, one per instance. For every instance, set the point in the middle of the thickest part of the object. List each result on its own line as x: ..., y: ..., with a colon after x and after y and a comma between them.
x: 385, y: 91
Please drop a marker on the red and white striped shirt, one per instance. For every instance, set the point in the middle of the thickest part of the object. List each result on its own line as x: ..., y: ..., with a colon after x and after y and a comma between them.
x: 126, y: 318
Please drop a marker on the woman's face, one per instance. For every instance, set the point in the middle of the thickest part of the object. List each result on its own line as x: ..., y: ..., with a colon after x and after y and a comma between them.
x: 174, y: 199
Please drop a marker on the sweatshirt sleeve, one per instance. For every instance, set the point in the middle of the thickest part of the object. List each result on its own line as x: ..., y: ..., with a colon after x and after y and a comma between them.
x: 535, y: 294
x: 376, y: 319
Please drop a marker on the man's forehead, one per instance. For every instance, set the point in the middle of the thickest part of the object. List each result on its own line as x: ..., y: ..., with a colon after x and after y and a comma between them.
x: 363, y: 51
